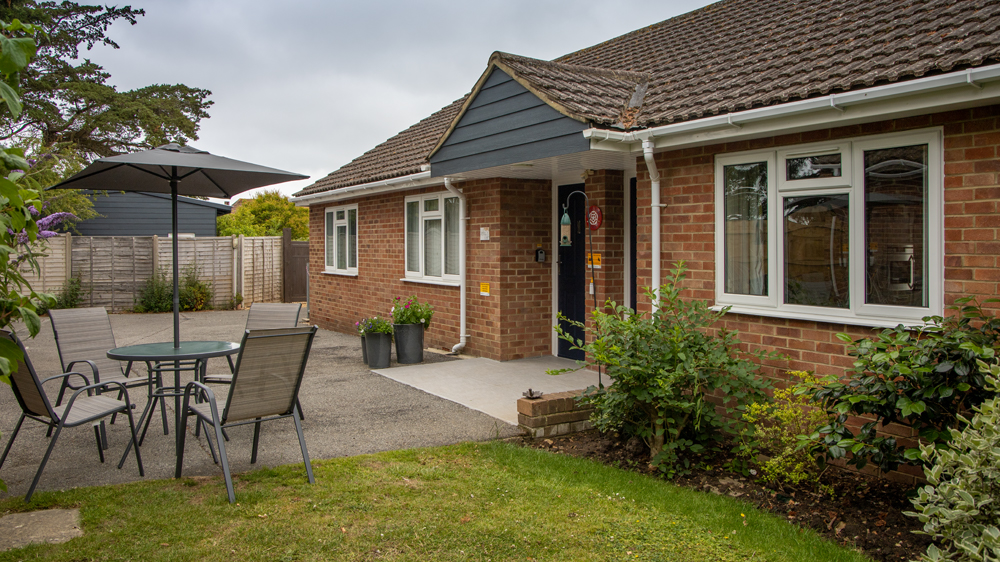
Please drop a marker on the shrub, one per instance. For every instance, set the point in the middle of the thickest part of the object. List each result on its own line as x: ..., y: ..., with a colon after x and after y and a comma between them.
x: 156, y: 295
x: 773, y: 432
x: 412, y: 311
x: 195, y: 294
x: 665, y: 366
x: 924, y: 378
x: 960, y: 505
x: 234, y: 302
x: 69, y: 296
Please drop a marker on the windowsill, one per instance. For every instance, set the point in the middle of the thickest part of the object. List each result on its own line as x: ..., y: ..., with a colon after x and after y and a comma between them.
x: 826, y: 318
x: 441, y: 282
x: 341, y: 273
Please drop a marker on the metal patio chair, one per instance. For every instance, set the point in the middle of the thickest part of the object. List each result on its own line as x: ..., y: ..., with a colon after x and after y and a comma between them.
x: 264, y: 316
x: 84, y: 335
x: 264, y: 387
x: 82, y: 408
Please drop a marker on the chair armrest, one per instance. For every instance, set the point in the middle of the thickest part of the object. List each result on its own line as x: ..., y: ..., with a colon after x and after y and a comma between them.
x: 66, y: 375
x: 93, y: 367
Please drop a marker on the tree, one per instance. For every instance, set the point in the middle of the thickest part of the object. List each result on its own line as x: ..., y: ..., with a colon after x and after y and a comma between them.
x: 68, y: 103
x: 267, y: 214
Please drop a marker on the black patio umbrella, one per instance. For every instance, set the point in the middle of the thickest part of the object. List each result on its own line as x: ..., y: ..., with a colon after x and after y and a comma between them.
x: 177, y: 170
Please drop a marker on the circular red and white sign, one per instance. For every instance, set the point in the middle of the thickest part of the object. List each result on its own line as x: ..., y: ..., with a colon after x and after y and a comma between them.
x: 595, y: 217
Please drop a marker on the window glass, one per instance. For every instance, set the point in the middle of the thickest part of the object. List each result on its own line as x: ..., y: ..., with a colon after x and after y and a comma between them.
x: 895, y: 194
x: 745, y: 196
x: 340, y: 215
x: 430, y: 205
x: 329, y: 240
x: 342, y: 247
x: 811, y: 167
x: 432, y: 247
x: 451, y: 240
x: 352, y: 238
x: 817, y: 250
x: 413, y: 236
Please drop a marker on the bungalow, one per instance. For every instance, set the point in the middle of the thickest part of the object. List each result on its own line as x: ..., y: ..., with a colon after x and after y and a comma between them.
x: 821, y: 166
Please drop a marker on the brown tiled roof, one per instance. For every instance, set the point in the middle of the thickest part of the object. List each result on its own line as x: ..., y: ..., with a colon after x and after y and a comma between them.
x: 740, y: 54
x: 585, y: 93
x: 726, y: 57
x: 401, y: 155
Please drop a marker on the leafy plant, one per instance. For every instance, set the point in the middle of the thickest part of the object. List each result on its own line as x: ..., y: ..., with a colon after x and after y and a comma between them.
x: 267, y: 214
x: 156, y: 295
x: 412, y: 311
x: 665, y: 366
x: 70, y: 296
x: 363, y: 326
x: 924, y: 378
x: 960, y: 505
x: 194, y: 293
x: 378, y: 325
x: 234, y: 302
x: 773, y: 432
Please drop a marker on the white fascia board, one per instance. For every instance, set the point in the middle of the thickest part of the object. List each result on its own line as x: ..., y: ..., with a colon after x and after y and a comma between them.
x: 968, y: 88
x: 403, y: 183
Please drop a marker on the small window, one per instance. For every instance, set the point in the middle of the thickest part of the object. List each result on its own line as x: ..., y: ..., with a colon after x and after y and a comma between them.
x: 814, y: 167
x: 432, y: 248
x: 341, y: 240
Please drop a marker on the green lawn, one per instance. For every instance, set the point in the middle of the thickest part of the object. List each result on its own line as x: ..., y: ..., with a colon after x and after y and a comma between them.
x: 475, y: 501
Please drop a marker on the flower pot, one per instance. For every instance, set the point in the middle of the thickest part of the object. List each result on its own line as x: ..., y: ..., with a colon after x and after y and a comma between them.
x: 379, y: 348
x: 364, y: 351
x: 409, y: 343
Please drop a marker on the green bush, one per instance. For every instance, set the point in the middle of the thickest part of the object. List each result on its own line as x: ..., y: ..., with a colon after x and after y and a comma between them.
x: 923, y: 378
x: 960, y: 505
x: 665, y: 366
x: 773, y: 432
x: 69, y: 296
x: 194, y: 294
x: 156, y: 295
x: 375, y: 325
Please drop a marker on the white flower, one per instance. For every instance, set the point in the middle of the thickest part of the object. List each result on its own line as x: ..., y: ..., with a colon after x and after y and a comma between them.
x: 421, y: 320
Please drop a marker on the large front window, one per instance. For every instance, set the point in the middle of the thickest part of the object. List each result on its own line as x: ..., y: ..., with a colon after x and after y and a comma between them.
x: 847, y: 231
x: 432, y: 229
x: 341, y: 240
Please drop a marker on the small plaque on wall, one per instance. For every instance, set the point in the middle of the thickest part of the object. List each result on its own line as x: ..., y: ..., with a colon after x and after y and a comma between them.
x: 484, y: 289
x: 484, y: 233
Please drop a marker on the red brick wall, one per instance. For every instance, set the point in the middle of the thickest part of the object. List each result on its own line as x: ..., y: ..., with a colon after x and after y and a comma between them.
x: 514, y: 321
x: 972, y: 228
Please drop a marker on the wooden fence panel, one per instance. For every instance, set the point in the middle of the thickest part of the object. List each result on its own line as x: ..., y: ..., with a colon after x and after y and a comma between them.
x: 112, y: 269
x: 211, y: 258
x: 52, y: 256
x: 261, y: 264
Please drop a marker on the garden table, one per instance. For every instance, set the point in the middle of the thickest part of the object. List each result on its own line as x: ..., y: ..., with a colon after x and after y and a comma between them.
x: 188, y: 356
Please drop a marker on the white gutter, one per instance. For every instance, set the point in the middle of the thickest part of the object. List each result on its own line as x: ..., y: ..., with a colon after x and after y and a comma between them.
x: 973, y: 78
x: 657, y: 210
x: 463, y: 337
x: 402, y: 183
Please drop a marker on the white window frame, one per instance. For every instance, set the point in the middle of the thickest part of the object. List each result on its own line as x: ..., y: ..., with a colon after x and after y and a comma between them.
x: 422, y: 216
x: 851, y: 183
x: 330, y: 239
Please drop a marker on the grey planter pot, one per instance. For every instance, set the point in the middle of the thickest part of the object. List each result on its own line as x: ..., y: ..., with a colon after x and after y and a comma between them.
x: 409, y: 343
x: 364, y: 351
x: 379, y: 349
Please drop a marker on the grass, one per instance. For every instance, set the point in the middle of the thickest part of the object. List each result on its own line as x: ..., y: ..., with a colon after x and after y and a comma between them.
x: 474, y: 501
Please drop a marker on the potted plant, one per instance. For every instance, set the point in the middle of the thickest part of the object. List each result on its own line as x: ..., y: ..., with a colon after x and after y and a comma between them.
x: 378, y: 342
x: 410, y: 318
x: 363, y: 326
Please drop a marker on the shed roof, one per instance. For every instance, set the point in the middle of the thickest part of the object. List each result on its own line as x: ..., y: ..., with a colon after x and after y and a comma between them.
x: 726, y: 57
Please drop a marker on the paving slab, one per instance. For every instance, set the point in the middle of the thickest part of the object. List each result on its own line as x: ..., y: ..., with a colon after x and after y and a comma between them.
x: 349, y: 411
x: 492, y: 387
x: 51, y: 526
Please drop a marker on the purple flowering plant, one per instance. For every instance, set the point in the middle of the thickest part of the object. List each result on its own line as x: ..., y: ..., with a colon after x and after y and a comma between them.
x: 411, y: 311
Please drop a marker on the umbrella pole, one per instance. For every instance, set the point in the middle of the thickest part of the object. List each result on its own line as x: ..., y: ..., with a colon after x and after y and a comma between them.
x: 173, y: 225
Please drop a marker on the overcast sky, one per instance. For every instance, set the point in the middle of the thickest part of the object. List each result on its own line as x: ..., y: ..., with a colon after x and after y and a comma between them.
x: 307, y: 86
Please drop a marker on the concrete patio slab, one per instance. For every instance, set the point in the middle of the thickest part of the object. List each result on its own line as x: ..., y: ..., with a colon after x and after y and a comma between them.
x: 490, y: 386
x: 50, y: 526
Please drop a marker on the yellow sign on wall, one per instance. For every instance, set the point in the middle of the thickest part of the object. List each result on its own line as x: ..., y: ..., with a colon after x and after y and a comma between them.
x: 484, y: 289
x: 596, y: 261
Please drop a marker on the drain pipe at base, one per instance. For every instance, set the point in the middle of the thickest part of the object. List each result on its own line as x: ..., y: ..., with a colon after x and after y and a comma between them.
x: 458, y: 347
x: 656, y: 207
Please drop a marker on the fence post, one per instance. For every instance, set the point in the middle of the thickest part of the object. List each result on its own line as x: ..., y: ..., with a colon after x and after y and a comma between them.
x: 156, y: 255
x: 286, y: 256
x: 239, y: 256
x: 69, y: 255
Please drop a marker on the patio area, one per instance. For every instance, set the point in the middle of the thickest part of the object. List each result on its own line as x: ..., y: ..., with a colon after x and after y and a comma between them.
x: 348, y: 411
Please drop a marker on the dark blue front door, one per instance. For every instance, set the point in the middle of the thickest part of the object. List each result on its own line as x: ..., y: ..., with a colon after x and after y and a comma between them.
x: 572, y: 276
